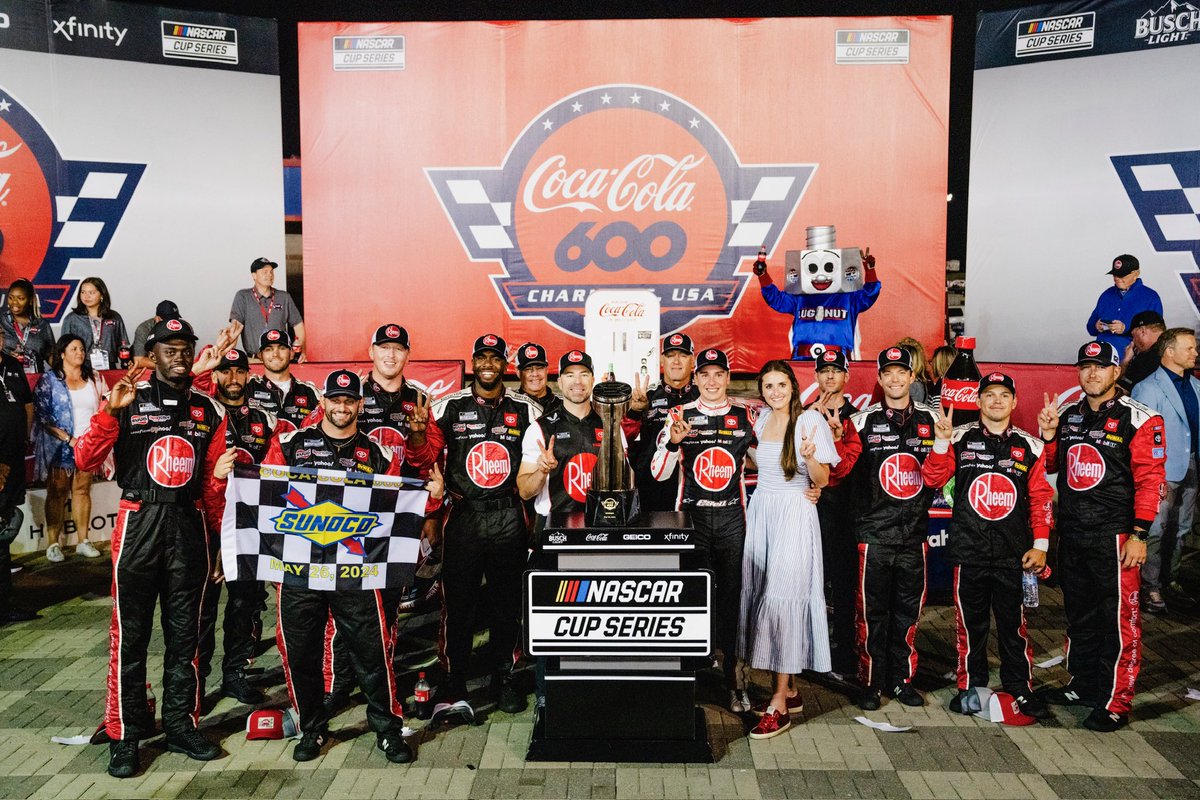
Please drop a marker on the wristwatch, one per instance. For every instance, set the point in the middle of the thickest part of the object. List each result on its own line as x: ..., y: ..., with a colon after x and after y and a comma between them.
x: 1141, y: 534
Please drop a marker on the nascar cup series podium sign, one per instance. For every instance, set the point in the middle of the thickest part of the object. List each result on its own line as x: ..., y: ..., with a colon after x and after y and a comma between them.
x: 141, y: 145
x: 529, y: 164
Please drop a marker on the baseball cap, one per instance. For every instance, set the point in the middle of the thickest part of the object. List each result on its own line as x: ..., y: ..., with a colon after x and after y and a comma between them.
x: 343, y: 383
x: 271, y: 723
x: 1101, y: 353
x: 574, y: 358
x: 833, y: 357
x: 1147, y: 318
x: 259, y: 263
x: 166, y: 310
x: 234, y: 358
x: 391, y: 332
x: 1123, y: 265
x: 531, y: 354
x: 274, y: 336
x: 490, y: 341
x: 712, y: 358
x: 678, y: 341
x: 998, y: 379
x: 167, y: 329
x: 897, y: 356
x: 999, y: 707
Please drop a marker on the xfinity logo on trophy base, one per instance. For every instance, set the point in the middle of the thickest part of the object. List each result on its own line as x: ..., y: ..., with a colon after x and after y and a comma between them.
x: 619, y: 187
x: 71, y: 28
x: 1170, y: 22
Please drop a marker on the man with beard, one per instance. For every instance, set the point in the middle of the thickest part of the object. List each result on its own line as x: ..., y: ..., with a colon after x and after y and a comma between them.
x: 533, y: 371
x: 485, y: 535
x: 643, y: 424
x: 169, y: 443
x: 1110, y: 453
x: 277, y: 391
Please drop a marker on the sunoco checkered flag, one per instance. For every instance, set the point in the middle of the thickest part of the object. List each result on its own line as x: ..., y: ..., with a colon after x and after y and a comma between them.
x: 322, y: 529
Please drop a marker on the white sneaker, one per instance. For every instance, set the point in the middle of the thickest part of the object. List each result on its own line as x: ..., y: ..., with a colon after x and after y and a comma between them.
x: 87, y: 550
x: 739, y: 701
x: 54, y: 554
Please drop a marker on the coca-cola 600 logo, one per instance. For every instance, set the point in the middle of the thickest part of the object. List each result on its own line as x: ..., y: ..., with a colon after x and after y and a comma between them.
x: 51, y: 209
x: 620, y: 187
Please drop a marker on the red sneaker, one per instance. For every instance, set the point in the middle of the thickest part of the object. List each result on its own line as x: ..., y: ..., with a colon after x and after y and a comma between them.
x: 772, y: 723
x: 795, y: 705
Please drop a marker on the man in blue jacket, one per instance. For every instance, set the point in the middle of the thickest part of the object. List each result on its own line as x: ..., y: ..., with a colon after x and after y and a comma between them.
x: 1112, y: 319
x: 1173, y: 392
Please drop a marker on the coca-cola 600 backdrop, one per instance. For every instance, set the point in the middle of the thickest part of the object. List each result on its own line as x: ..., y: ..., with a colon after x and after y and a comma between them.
x: 463, y: 177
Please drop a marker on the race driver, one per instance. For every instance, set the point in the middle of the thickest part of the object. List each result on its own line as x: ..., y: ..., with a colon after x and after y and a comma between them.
x: 1111, y: 459
x: 277, y: 391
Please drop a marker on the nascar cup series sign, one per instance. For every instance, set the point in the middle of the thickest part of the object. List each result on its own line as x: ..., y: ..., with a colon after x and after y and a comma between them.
x: 572, y: 207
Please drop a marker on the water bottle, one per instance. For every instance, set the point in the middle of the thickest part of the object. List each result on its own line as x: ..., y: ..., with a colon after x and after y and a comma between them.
x: 151, y: 701
x: 1029, y: 588
x: 421, y: 697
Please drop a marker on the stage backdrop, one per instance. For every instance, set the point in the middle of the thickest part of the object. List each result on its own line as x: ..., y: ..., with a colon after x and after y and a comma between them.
x: 469, y: 177
x: 1085, y: 144
x: 139, y: 144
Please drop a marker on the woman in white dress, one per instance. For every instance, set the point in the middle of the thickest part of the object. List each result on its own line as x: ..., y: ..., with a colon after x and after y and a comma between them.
x: 782, y: 625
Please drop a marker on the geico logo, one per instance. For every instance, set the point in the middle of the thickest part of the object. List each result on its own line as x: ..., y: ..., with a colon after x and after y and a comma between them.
x: 619, y: 591
x: 636, y: 537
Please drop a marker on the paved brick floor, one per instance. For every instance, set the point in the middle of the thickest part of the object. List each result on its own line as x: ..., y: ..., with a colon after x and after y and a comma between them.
x: 52, y: 676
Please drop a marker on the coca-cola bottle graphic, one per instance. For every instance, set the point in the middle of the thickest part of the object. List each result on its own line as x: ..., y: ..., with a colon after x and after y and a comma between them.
x: 960, y: 384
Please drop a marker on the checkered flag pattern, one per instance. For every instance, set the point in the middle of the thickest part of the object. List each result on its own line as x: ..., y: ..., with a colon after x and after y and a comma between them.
x: 755, y: 207
x: 1165, y: 191
x: 90, y: 204
x: 484, y: 224
x: 321, y: 529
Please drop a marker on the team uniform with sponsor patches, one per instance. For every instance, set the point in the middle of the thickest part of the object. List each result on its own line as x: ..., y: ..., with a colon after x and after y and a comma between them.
x: 890, y: 507
x: 642, y: 432
x: 1001, y: 510
x: 713, y: 492
x: 546, y: 403
x: 166, y: 444
x: 1110, y: 465
x: 357, y: 616
x: 576, y: 443
x: 293, y: 405
x: 485, y: 534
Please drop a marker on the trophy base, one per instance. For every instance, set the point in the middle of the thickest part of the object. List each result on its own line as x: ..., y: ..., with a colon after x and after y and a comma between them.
x: 611, y: 509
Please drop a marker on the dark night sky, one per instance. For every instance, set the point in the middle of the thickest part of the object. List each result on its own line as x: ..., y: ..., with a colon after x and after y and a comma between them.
x: 963, y: 46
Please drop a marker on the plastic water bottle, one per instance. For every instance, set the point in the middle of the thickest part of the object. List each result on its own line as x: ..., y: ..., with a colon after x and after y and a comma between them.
x: 1029, y: 588
x: 151, y: 701
x: 421, y: 697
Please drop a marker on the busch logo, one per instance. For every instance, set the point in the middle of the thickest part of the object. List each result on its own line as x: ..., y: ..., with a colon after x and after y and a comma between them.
x: 900, y: 476
x: 619, y: 187
x: 714, y: 469
x: 488, y: 465
x: 53, y: 210
x: 993, y: 496
x: 623, y: 310
x: 1170, y: 22
x: 959, y: 394
x: 171, y: 461
x: 1085, y: 467
x: 577, y: 476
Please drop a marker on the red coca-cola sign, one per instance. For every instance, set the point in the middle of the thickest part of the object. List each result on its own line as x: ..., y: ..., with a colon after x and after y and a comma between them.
x: 577, y: 475
x: 900, y: 476
x: 714, y: 469
x: 959, y: 394
x: 171, y: 461
x: 993, y: 496
x: 1085, y: 467
x: 488, y: 465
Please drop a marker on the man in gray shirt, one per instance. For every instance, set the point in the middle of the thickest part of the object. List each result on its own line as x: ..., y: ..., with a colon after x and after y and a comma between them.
x: 263, y: 308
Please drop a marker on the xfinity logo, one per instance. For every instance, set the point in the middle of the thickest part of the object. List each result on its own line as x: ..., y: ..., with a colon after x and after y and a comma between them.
x: 70, y: 28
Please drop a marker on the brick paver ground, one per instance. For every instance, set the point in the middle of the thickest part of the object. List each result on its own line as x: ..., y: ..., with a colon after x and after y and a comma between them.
x: 52, y: 683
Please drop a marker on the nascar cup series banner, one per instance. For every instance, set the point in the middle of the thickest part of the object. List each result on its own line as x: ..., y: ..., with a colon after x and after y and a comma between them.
x: 488, y: 176
x: 141, y: 145
x: 1085, y: 145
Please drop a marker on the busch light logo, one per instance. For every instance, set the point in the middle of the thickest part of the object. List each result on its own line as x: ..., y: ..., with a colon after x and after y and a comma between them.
x: 53, y: 210
x: 619, y: 187
x: 1165, y: 191
x: 1171, y: 22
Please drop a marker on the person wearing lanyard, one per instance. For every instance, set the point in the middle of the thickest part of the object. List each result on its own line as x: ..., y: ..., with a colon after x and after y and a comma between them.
x: 101, y: 328
x: 27, y: 337
x: 263, y: 307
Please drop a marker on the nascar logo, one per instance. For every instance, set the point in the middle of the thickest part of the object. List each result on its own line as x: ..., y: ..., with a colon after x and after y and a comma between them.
x: 619, y: 591
x: 199, y: 42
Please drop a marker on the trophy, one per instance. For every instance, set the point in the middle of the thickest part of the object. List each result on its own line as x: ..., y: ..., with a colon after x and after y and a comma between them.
x: 611, y: 501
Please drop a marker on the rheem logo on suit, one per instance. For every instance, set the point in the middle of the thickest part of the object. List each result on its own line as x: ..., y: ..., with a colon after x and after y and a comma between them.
x: 199, y: 42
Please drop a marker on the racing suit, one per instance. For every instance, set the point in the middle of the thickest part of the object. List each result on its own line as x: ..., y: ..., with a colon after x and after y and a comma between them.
x: 485, y: 534
x: 642, y: 432
x: 1001, y: 497
x: 301, y: 399
x: 546, y: 403
x: 15, y: 411
x: 166, y: 444
x: 713, y: 492
x: 890, y: 505
x: 357, y: 616
x: 1111, y: 474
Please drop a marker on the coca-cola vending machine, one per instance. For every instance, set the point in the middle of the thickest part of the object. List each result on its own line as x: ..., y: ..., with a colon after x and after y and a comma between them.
x: 621, y: 330
x: 960, y: 384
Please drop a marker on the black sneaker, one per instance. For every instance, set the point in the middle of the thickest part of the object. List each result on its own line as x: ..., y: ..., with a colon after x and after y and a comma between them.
x: 194, y: 745
x: 906, y: 694
x: 1032, y: 705
x: 1102, y: 720
x: 18, y: 615
x: 309, y: 746
x: 394, y: 747
x: 123, y: 758
x: 870, y: 700
x: 509, y: 699
x: 236, y: 686
x: 956, y: 705
x: 1067, y: 696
